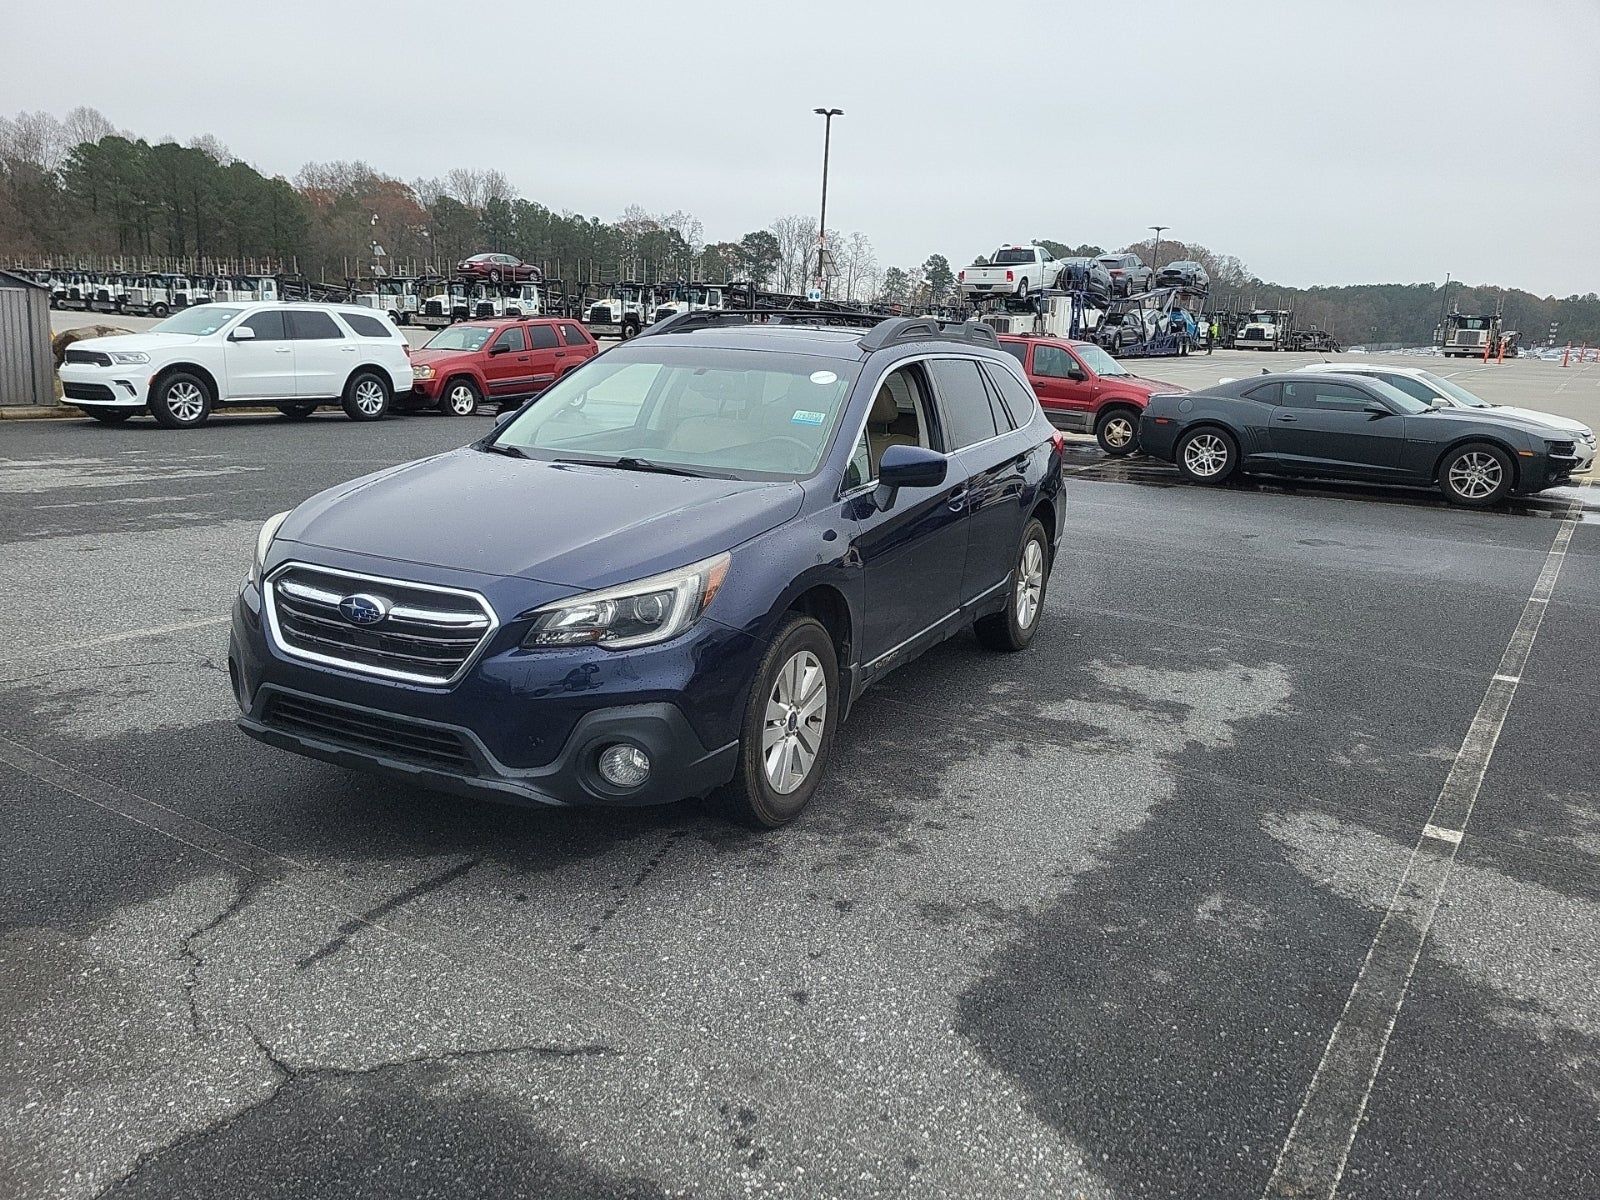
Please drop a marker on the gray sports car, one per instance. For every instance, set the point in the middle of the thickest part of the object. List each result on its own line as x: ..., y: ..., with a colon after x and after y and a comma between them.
x: 1353, y: 427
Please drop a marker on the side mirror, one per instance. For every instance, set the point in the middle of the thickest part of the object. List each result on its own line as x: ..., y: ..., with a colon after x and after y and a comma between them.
x: 501, y: 418
x: 1436, y: 404
x: 1375, y: 408
x: 1076, y: 372
x: 908, y: 466
x: 242, y: 334
x: 499, y: 348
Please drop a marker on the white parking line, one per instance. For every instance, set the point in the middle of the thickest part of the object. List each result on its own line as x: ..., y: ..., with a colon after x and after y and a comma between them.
x: 1313, y: 1157
x: 108, y: 639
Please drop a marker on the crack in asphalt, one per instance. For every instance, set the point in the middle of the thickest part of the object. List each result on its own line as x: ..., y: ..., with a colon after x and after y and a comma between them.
x: 243, y: 894
x: 399, y: 900
x: 287, y: 1075
x: 625, y: 892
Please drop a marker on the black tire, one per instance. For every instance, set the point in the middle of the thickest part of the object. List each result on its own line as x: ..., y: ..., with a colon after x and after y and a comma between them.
x: 109, y: 416
x: 464, y: 405
x: 1204, y: 465
x: 1117, y: 431
x: 159, y: 310
x: 180, y: 400
x: 750, y: 797
x: 296, y: 412
x: 1013, y: 628
x: 1476, y: 475
x: 1022, y: 289
x: 630, y: 329
x: 494, y: 276
x: 361, y: 400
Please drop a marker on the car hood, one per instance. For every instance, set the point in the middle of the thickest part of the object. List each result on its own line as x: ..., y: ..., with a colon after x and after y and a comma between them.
x: 1534, y: 417
x: 567, y: 524
x: 433, y: 357
x: 135, y: 341
x: 1142, y: 383
x: 1533, y: 423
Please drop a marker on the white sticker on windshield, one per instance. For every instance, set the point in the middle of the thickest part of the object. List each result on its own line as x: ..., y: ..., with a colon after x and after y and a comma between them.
x: 823, y: 377
x: 804, y: 417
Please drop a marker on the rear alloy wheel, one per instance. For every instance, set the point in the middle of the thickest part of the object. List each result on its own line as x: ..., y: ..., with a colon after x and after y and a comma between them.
x: 296, y: 412
x: 1475, y: 475
x: 180, y: 401
x: 1013, y: 629
x: 460, y: 398
x: 366, y: 397
x: 1207, y: 456
x: 787, y: 733
x: 109, y: 416
x: 1117, y: 431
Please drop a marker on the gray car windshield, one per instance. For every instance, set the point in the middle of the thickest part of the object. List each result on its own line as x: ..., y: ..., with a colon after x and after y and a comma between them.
x: 749, y: 414
x: 199, y: 320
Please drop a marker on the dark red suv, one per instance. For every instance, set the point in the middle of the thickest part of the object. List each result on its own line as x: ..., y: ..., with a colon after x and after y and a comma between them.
x: 504, y: 361
x: 499, y: 267
x: 1083, y: 389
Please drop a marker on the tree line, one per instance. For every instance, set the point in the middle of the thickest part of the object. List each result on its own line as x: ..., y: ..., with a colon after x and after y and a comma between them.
x: 77, y: 187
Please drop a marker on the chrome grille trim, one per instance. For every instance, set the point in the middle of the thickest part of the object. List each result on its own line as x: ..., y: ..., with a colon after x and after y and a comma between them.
x: 304, y: 622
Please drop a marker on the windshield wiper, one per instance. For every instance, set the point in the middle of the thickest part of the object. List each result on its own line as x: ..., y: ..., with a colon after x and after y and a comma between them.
x: 629, y: 463
x: 502, y: 448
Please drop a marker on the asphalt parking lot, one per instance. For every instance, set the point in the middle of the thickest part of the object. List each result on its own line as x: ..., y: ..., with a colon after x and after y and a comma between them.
x: 1078, y: 922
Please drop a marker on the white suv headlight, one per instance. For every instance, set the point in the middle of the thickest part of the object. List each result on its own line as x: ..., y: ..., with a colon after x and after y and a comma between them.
x: 264, y: 543
x: 632, y: 614
x: 128, y: 357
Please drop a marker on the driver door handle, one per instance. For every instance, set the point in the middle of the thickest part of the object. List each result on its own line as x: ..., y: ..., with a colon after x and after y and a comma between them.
x: 1287, y: 418
x: 958, y: 499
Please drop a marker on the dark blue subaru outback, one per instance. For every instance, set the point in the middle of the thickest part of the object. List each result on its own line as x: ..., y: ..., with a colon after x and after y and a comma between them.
x: 669, y: 576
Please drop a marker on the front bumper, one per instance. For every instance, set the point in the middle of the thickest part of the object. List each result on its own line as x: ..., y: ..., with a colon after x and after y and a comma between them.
x: 423, y: 391
x: 520, y: 727
x: 105, y: 387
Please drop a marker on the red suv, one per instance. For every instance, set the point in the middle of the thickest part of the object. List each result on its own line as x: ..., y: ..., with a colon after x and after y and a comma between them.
x: 498, y: 267
x: 476, y: 361
x: 1083, y: 389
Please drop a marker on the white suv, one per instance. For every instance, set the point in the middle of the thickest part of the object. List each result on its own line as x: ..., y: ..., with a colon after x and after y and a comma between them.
x: 291, y: 356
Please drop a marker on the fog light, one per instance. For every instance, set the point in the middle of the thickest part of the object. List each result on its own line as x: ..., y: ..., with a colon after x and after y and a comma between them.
x: 624, y: 766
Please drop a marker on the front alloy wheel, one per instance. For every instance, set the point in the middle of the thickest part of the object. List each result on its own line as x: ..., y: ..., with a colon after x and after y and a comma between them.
x: 1206, y: 456
x: 1475, y: 476
x: 462, y: 398
x: 797, y: 710
x: 180, y: 401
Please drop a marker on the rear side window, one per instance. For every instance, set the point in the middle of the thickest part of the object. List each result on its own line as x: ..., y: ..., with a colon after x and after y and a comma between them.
x: 1267, y: 393
x: 544, y: 337
x: 1016, y: 350
x: 573, y: 336
x: 309, y: 326
x: 1020, y: 402
x: 366, y: 326
x: 964, y: 401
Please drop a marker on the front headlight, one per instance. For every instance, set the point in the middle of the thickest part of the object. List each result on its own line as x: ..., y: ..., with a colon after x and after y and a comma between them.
x: 264, y: 543
x: 632, y: 614
x: 422, y: 371
x: 128, y: 357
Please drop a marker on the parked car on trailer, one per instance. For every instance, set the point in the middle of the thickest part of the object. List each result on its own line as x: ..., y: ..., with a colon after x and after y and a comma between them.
x: 671, y: 576
x: 498, y: 267
x: 1087, y: 275
x: 1084, y: 390
x: 293, y: 356
x: 1011, y: 271
x: 1129, y: 275
x: 476, y: 361
x: 1184, y: 274
x: 1356, y: 427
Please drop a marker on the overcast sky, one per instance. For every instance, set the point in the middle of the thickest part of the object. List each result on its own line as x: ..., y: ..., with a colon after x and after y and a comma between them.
x: 1341, y: 141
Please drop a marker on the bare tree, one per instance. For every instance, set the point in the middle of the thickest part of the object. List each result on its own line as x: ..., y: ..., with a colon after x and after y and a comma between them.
x: 85, y: 124
x: 797, y: 247
x: 856, y: 262
x: 212, y: 145
x: 35, y: 138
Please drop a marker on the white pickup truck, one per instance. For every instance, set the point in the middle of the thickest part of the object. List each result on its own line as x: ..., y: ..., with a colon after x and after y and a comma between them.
x: 1012, y: 271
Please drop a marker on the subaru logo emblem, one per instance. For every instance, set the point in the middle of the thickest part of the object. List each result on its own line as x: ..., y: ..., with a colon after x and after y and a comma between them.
x: 363, y: 609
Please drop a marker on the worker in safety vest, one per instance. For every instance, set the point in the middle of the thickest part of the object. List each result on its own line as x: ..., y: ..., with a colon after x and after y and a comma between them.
x: 1213, y: 334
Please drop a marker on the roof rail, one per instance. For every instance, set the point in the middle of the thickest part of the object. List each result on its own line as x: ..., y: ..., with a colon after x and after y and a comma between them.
x: 897, y: 330
x: 710, y: 318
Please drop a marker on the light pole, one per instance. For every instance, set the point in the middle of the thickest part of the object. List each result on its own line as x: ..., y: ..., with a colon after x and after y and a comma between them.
x: 1155, y: 255
x: 827, y: 115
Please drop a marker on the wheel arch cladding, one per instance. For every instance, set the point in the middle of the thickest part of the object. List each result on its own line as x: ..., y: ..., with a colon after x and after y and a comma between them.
x: 377, y: 369
x: 826, y: 604
x: 186, y: 368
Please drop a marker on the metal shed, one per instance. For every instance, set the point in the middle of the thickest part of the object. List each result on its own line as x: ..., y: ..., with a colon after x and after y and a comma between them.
x: 27, y: 371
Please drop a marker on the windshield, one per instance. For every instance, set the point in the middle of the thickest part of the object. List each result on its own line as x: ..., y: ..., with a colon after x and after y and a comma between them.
x: 200, y: 320
x: 1405, y: 403
x: 749, y: 414
x: 1007, y: 258
x: 1455, y: 391
x: 1098, y: 361
x: 460, y: 337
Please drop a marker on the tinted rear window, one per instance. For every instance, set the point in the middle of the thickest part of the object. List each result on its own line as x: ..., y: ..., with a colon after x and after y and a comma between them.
x: 964, y: 401
x: 544, y: 336
x: 1016, y: 350
x: 1008, y: 258
x: 573, y: 335
x: 1019, y: 400
x: 373, y: 327
x: 309, y: 325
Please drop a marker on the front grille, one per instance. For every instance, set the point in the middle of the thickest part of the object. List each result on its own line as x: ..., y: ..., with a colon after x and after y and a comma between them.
x: 98, y: 392
x: 1469, y: 337
x: 1563, y: 449
x: 433, y: 308
x: 601, y: 314
x: 359, y: 729
x: 1254, y: 335
x: 429, y: 635
x: 88, y: 356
